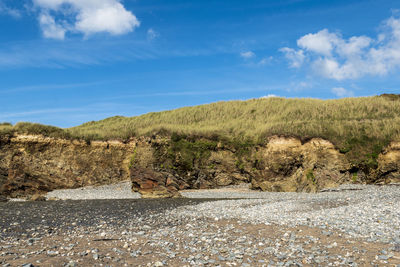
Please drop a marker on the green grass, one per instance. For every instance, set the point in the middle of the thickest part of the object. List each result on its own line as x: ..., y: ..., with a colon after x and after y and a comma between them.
x: 311, y: 177
x: 359, y: 127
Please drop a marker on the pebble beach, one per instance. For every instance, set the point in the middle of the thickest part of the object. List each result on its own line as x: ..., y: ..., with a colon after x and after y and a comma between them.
x: 353, y: 225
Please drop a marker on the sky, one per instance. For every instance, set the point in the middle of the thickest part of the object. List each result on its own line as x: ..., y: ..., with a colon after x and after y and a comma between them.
x: 66, y: 62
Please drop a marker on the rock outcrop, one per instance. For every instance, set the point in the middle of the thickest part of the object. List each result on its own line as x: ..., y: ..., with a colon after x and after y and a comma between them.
x: 160, y: 167
x: 36, y: 164
x: 389, y: 165
x: 152, y: 184
x: 288, y: 165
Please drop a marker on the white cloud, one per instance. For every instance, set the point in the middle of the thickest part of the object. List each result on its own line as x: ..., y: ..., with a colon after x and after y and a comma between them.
x: 321, y: 42
x: 265, y: 61
x: 354, y: 47
x: 50, y: 28
x: 342, y: 92
x: 4, y: 9
x: 88, y: 16
x: 269, y: 96
x: 296, y: 57
x: 335, y: 57
x: 297, y: 86
x: 152, y: 34
x: 247, y: 54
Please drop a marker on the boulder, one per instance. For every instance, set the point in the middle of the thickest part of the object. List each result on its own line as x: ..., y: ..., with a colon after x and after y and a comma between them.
x: 153, y: 184
x: 223, y: 179
x: 38, y: 197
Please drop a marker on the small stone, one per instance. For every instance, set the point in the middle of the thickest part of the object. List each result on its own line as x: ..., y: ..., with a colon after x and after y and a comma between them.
x: 158, y: 264
x: 71, y: 264
x: 396, y: 248
x: 327, y: 233
x: 146, y: 227
x: 135, y: 253
x: 383, y: 257
x: 52, y: 253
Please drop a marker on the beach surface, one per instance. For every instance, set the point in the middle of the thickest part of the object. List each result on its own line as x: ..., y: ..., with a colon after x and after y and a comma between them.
x: 354, y: 225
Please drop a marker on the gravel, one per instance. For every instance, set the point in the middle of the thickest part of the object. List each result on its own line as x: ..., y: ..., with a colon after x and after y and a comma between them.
x: 354, y: 225
x: 114, y: 191
x: 368, y: 211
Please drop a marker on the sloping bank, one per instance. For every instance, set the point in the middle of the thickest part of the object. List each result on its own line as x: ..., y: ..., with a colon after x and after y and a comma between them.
x: 161, y: 166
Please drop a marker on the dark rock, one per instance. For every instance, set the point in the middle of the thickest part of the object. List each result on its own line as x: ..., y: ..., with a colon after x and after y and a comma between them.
x: 3, y: 176
x: 3, y: 198
x: 38, y: 197
x: 152, y: 184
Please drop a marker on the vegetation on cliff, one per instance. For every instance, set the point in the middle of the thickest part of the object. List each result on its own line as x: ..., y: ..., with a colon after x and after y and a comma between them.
x: 34, y: 128
x: 359, y: 127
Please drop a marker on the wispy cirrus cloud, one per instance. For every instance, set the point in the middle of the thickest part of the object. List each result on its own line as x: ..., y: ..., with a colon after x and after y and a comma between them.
x: 196, y: 92
x: 334, y: 57
x: 97, y: 110
x: 11, y: 115
x: 73, y: 53
x: 152, y: 34
x: 76, y: 52
x: 6, y: 10
x: 247, y: 54
x: 43, y: 87
x: 342, y: 92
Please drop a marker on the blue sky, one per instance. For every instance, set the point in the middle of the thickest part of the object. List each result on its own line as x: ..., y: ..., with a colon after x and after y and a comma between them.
x: 65, y: 62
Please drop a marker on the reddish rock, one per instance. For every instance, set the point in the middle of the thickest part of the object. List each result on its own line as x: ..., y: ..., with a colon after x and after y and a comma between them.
x: 152, y: 184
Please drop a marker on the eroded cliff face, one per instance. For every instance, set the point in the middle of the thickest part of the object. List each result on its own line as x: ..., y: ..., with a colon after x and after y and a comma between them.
x: 36, y: 164
x: 288, y: 165
x: 160, y: 167
x: 284, y: 164
x: 389, y: 165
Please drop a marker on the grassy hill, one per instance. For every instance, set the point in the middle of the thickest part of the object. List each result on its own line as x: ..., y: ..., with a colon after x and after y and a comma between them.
x: 375, y: 117
x: 357, y: 126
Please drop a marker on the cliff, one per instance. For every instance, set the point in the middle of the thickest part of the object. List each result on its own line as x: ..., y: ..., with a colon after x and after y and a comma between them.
x: 36, y: 164
x: 161, y: 166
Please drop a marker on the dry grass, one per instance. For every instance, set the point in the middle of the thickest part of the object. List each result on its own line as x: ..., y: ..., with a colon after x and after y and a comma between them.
x: 256, y: 119
x: 357, y: 126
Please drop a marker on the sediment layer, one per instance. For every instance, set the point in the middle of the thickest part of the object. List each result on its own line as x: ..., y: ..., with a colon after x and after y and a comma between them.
x: 161, y: 166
